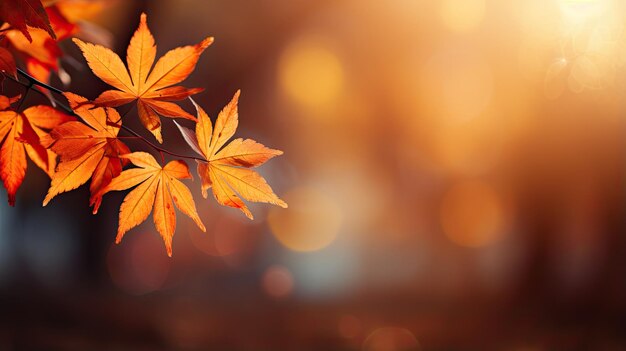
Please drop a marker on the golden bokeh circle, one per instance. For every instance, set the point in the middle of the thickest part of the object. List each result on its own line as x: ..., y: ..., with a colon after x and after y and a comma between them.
x: 472, y: 214
x: 312, y: 222
x: 310, y: 72
x: 391, y: 339
x: 277, y: 281
x: 462, y: 15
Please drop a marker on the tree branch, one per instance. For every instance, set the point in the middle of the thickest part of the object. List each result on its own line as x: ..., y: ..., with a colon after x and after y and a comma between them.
x: 23, y: 98
x: 160, y: 149
x: 33, y: 81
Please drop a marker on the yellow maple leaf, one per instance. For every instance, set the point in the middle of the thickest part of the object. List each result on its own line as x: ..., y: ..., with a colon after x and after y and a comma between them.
x: 152, y: 87
x: 227, y: 167
x: 156, y: 187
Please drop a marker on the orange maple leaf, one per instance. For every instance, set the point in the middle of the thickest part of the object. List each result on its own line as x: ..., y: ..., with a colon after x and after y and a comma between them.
x: 156, y: 188
x: 78, y: 10
x: 86, y: 151
x: 6, y: 102
x: 7, y: 63
x: 21, y: 14
x: 227, y: 167
x: 20, y: 134
x: 40, y: 52
x: 152, y: 87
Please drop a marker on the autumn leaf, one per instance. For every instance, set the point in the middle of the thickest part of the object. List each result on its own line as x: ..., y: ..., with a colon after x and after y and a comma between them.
x: 227, y: 167
x: 21, y: 14
x: 152, y: 87
x: 6, y: 102
x: 40, y: 52
x: 156, y: 187
x: 7, y: 63
x: 80, y: 14
x: 87, y: 150
x: 20, y: 134
x: 78, y: 10
x: 40, y: 49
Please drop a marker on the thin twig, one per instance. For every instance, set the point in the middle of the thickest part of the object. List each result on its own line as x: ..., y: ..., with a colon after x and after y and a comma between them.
x: 127, y: 137
x: 160, y: 149
x: 33, y: 81
x: 23, y: 98
x: 57, y: 102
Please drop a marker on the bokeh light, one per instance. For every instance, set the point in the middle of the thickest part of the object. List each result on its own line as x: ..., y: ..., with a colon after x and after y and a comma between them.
x: 580, y: 10
x: 310, y: 72
x: 472, y: 214
x: 391, y: 339
x: 228, y: 236
x: 312, y: 222
x: 462, y: 15
x: 587, y: 44
x: 456, y: 85
x: 452, y: 169
x: 139, y: 266
x: 277, y: 281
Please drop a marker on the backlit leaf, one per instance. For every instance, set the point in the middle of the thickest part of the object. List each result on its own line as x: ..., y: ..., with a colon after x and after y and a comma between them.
x: 86, y: 151
x: 22, y: 13
x: 21, y: 134
x: 157, y: 190
x: 152, y: 87
x: 226, y: 170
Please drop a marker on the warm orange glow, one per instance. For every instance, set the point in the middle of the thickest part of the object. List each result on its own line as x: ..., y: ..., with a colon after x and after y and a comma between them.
x: 456, y: 85
x: 311, y: 73
x: 588, y: 41
x: 472, y: 214
x: 466, y: 148
x: 462, y: 15
x: 452, y: 168
x: 580, y: 10
x: 77, y: 10
x: 37, y: 48
x: 311, y: 224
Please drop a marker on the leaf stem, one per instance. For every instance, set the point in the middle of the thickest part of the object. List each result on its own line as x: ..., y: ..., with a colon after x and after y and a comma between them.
x: 23, y: 98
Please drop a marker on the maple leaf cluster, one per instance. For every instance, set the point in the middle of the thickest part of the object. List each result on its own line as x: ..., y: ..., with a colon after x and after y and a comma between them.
x: 32, y: 32
x: 83, y: 144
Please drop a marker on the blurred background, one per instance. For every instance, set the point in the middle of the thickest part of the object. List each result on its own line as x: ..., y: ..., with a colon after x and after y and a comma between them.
x: 454, y: 171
